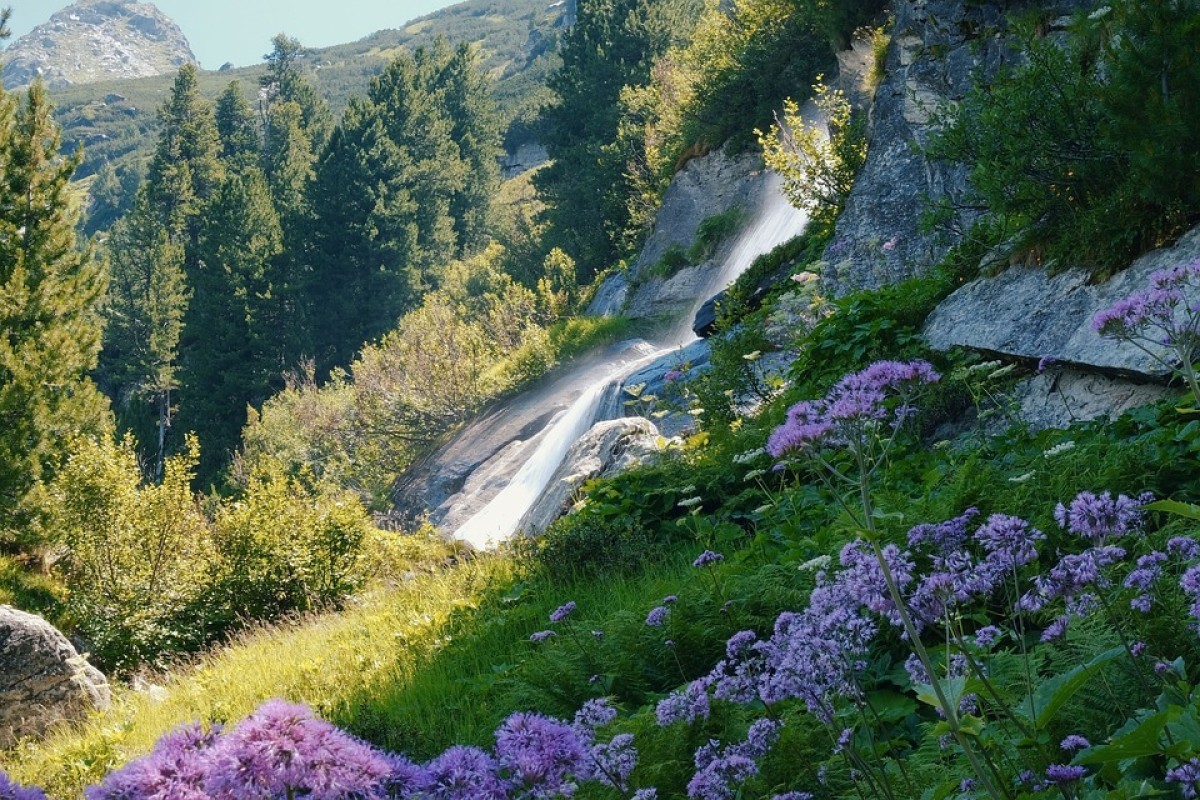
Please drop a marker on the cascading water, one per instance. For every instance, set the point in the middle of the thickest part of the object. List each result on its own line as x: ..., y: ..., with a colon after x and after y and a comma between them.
x: 774, y: 223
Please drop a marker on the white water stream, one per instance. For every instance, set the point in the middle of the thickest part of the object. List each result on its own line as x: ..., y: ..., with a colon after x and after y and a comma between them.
x: 774, y: 223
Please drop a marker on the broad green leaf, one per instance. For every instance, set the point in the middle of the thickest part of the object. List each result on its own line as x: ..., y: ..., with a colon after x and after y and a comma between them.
x: 1142, y: 740
x: 1186, y: 510
x: 891, y: 706
x: 1054, y: 693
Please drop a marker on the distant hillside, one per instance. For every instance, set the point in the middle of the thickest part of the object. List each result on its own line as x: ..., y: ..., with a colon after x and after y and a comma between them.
x: 98, y: 40
x: 516, y: 41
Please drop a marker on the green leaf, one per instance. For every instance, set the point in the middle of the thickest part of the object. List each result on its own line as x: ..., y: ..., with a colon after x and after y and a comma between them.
x: 1142, y: 740
x: 1054, y: 693
x: 891, y: 706
x: 1186, y: 510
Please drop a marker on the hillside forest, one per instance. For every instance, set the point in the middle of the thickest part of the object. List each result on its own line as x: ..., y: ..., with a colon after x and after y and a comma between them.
x: 863, y: 576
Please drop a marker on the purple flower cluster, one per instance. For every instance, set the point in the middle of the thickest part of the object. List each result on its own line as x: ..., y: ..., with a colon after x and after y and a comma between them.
x: 1101, y: 517
x: 853, y: 410
x: 562, y: 612
x: 11, y: 790
x: 720, y: 771
x: 657, y: 616
x: 1187, y: 775
x: 1160, y: 319
x: 707, y: 559
x: 280, y: 750
x: 283, y: 751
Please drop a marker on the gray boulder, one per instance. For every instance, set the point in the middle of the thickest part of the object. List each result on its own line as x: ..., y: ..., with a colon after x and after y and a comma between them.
x: 1027, y: 313
x: 608, y: 448
x: 43, y: 679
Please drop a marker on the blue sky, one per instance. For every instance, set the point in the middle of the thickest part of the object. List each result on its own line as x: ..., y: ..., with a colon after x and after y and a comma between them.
x: 240, y: 31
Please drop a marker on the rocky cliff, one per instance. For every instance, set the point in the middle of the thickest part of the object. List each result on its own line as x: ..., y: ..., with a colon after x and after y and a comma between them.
x: 938, y: 48
x: 98, y: 40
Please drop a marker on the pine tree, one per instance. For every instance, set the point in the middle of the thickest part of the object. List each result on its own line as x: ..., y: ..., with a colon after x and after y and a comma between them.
x: 237, y: 127
x: 233, y: 356
x: 475, y: 129
x: 363, y: 230
x: 147, y: 298
x: 49, y: 290
x: 285, y: 83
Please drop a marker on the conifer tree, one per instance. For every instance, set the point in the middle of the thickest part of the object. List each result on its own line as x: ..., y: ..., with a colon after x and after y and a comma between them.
x: 233, y: 353
x: 146, y: 301
x: 285, y: 83
x: 475, y: 129
x: 236, y: 127
x: 49, y: 290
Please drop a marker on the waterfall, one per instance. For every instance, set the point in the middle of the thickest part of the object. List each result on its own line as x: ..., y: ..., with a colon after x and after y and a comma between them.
x: 498, y: 520
x: 774, y: 222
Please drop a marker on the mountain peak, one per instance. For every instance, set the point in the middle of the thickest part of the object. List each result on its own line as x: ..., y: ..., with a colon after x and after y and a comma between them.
x: 98, y: 40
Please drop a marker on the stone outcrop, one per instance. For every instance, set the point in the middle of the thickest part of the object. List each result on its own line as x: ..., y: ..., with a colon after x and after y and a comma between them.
x: 608, y: 448
x: 1027, y: 313
x: 43, y: 679
x: 705, y: 187
x: 524, y: 157
x: 98, y: 40
x: 938, y: 46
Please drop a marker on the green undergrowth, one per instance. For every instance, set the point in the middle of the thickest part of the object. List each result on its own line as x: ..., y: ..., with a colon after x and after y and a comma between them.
x: 445, y: 656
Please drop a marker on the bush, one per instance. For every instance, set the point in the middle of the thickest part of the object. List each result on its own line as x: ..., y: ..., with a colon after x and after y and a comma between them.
x: 286, y: 546
x: 1083, y: 133
x: 137, y: 556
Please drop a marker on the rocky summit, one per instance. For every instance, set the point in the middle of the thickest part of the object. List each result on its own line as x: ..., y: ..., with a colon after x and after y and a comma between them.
x: 98, y: 40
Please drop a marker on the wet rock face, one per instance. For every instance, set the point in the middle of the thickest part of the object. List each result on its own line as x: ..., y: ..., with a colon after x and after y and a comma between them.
x: 608, y: 448
x: 937, y: 48
x: 98, y: 40
x: 43, y: 679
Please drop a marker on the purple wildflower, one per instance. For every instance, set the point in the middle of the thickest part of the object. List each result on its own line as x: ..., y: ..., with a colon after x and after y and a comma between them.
x: 1137, y: 648
x: 541, y: 636
x: 562, y: 612
x: 1142, y: 579
x: 1045, y: 362
x: 595, y: 713
x: 1060, y: 774
x: 707, y: 559
x: 1100, y: 517
x: 793, y: 796
x: 1074, y: 742
x: 686, y: 706
x: 407, y: 780
x: 611, y: 763
x: 987, y: 636
x: 720, y: 772
x: 465, y: 773
x: 11, y: 790
x: 1187, y: 775
x: 943, y: 537
x: 177, y: 768
x: 282, y: 750
x: 1056, y: 629
x: 541, y: 755
x: 669, y: 599
x: 1184, y: 547
x: 1010, y: 542
x: 646, y: 794
x: 967, y: 785
x: 657, y: 616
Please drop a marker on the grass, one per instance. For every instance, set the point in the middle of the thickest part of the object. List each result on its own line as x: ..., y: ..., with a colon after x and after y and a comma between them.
x: 330, y: 662
x: 29, y: 590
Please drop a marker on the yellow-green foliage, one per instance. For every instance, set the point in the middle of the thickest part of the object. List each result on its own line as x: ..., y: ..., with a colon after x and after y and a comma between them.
x: 331, y: 662
x: 818, y: 162
x: 287, y: 546
x: 136, y: 555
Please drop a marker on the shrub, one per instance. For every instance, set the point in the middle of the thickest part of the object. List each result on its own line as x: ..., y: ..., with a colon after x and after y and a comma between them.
x: 137, y: 555
x: 286, y: 546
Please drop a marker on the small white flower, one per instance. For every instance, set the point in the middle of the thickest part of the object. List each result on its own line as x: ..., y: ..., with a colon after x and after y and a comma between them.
x: 1058, y: 449
x: 691, y: 502
x: 814, y: 564
x: 755, y: 473
x: 1021, y: 478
